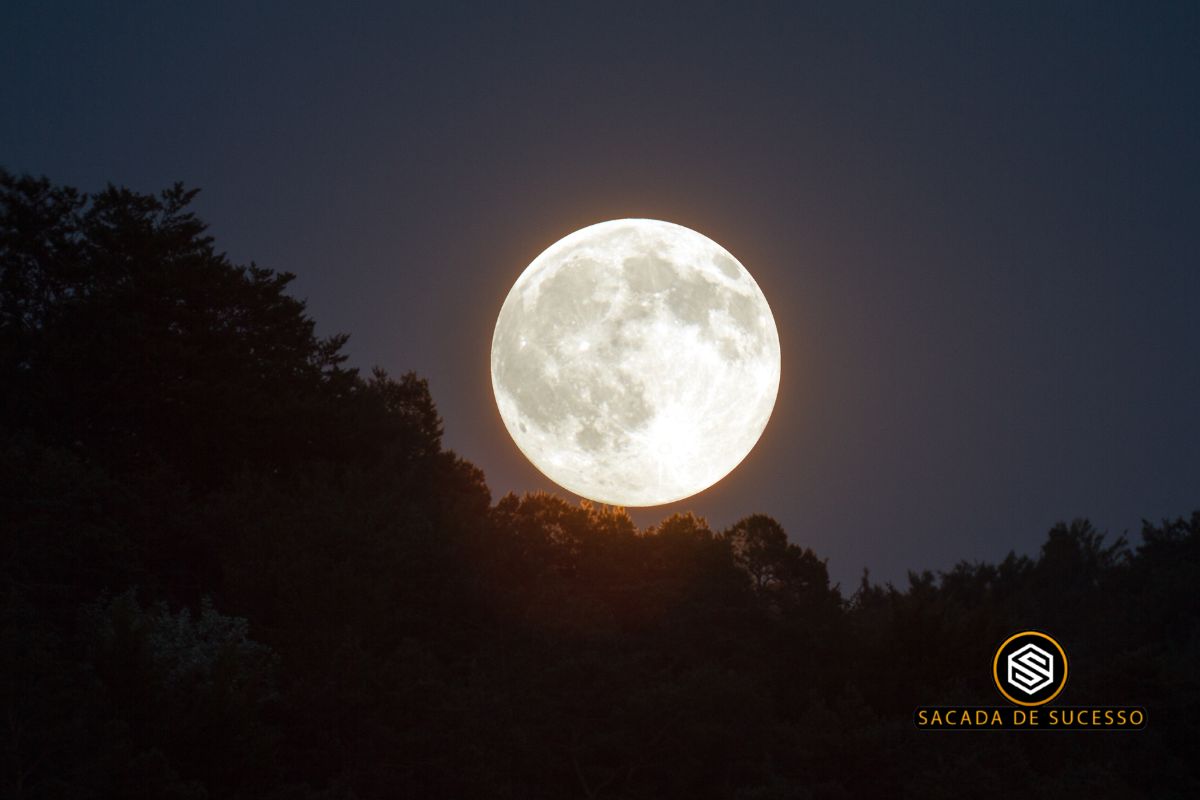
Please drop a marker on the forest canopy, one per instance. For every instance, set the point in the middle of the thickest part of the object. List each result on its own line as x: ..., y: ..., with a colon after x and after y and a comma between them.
x: 234, y: 566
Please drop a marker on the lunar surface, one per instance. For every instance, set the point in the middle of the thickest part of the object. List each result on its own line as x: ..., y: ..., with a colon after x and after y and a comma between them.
x: 635, y: 362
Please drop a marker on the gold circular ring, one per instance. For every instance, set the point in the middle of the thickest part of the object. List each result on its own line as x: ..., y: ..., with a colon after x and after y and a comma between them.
x: 996, y: 667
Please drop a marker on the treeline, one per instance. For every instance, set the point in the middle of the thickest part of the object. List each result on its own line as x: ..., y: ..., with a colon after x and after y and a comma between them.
x: 234, y: 567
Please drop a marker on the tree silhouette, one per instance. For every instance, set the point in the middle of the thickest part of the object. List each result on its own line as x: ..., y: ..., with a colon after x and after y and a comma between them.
x: 232, y: 566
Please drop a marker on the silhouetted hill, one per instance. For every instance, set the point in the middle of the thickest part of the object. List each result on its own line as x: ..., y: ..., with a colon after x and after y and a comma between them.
x: 234, y: 567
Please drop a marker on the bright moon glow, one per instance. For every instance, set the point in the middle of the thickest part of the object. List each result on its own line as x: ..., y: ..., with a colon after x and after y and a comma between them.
x: 635, y: 362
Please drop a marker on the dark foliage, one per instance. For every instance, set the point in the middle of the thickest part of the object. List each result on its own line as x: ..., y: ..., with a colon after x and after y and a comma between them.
x: 233, y: 567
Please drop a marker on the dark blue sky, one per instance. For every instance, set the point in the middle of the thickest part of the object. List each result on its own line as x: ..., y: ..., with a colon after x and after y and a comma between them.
x: 978, y: 227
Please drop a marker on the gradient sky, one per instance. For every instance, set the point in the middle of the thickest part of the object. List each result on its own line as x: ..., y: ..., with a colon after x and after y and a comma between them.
x: 978, y: 228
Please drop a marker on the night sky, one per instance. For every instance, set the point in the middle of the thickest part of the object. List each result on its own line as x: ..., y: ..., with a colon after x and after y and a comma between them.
x: 978, y: 228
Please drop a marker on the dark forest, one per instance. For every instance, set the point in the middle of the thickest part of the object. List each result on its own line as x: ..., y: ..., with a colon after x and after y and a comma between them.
x: 235, y: 567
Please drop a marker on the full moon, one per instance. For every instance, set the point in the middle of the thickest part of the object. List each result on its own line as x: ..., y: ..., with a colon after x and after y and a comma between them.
x: 635, y: 362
